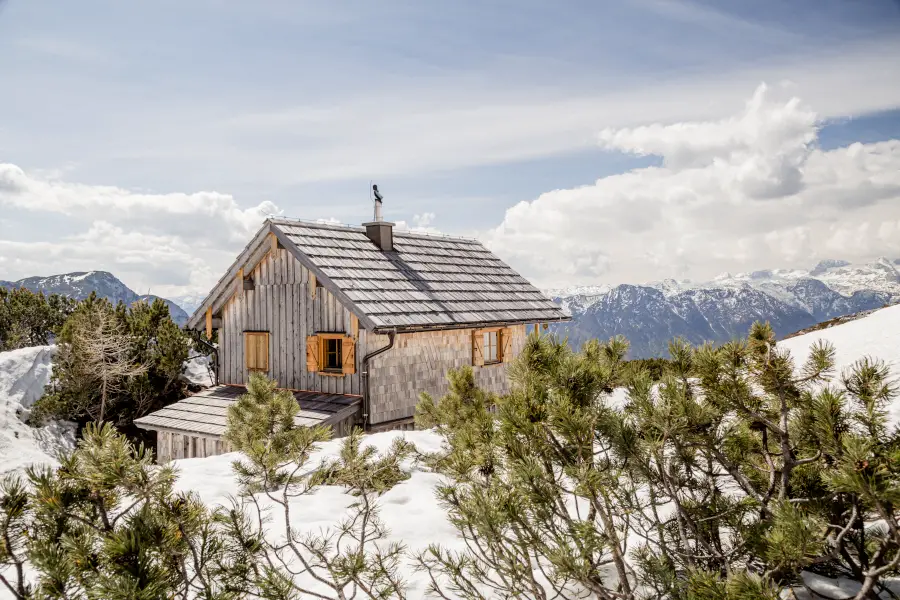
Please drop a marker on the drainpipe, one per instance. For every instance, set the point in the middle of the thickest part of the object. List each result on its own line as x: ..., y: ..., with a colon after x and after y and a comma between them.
x: 365, y: 365
x: 215, y: 353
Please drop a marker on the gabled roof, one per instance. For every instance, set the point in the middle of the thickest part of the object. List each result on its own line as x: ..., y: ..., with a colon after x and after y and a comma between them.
x: 427, y: 281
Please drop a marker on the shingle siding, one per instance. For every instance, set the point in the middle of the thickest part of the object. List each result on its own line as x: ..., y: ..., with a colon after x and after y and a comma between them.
x: 419, y: 362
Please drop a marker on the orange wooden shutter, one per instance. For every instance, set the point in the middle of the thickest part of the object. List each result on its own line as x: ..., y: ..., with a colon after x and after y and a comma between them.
x: 312, y: 353
x: 478, y: 348
x: 262, y: 352
x: 348, y: 360
x: 256, y: 350
x: 249, y: 351
x: 506, y: 353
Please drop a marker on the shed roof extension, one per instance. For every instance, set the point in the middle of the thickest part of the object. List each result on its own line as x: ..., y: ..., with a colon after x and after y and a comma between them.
x: 427, y: 281
x: 206, y: 413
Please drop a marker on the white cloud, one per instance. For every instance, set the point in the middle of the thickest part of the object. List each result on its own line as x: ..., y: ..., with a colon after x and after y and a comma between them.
x: 420, y: 224
x: 171, y: 243
x: 751, y: 190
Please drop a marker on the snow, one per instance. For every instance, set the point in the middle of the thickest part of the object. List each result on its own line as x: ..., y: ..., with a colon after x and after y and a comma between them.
x: 23, y: 375
x: 875, y: 336
x: 197, y: 370
x: 409, y: 510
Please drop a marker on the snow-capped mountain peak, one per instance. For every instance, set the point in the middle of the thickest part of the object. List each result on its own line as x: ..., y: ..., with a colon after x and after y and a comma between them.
x: 81, y: 284
x: 724, y: 308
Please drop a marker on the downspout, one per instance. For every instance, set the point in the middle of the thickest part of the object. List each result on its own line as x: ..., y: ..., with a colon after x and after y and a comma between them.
x: 365, y: 365
x: 215, y: 353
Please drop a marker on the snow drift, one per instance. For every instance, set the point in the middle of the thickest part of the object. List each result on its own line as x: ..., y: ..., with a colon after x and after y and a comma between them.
x: 23, y: 375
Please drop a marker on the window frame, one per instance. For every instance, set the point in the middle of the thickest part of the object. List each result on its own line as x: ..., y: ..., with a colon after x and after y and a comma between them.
x: 485, y: 345
x: 324, y: 338
x: 480, y: 348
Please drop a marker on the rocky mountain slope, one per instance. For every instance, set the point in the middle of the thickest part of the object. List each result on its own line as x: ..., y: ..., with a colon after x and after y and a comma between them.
x: 790, y: 299
x: 80, y: 286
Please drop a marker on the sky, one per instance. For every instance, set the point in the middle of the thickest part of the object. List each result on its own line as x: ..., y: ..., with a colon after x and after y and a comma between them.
x: 583, y: 141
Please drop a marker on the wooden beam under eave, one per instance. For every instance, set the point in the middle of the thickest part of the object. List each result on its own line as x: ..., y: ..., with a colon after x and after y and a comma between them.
x: 209, y: 323
x: 312, y: 285
x: 274, y: 243
x: 354, y: 326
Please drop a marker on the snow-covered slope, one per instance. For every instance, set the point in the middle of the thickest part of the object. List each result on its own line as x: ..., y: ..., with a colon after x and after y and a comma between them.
x: 23, y: 375
x: 876, y: 335
x: 409, y: 510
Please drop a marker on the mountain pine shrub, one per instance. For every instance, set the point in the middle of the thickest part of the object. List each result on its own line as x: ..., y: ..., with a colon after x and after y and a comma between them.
x: 725, y: 479
x: 353, y: 559
x: 107, y: 523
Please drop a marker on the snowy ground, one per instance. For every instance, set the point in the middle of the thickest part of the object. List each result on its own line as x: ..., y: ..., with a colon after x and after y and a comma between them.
x: 23, y: 375
x: 409, y: 510
x: 877, y: 336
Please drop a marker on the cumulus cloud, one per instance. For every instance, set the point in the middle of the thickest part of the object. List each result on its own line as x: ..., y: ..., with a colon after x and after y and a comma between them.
x: 420, y: 224
x: 170, y: 243
x: 751, y: 190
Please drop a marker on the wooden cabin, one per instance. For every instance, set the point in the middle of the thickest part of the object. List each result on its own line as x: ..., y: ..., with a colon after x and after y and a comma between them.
x: 357, y: 322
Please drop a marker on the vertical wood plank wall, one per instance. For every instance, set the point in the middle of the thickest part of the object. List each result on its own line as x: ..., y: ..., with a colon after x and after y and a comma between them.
x: 281, y: 304
x: 419, y: 362
x: 171, y: 445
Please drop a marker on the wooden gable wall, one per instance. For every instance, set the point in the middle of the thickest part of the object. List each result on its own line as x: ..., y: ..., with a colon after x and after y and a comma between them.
x: 286, y: 303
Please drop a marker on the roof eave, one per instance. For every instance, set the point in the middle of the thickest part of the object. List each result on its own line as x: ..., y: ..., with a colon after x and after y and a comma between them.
x: 471, y: 325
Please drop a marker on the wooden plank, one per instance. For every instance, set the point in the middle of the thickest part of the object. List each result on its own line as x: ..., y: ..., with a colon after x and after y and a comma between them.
x: 305, y: 329
x: 209, y: 320
x: 312, y: 285
x: 289, y: 334
x: 282, y: 333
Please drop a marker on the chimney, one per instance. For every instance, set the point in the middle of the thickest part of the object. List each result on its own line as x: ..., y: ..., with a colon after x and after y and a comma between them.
x: 380, y: 231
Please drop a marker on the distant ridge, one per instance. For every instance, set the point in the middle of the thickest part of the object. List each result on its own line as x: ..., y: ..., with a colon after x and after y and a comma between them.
x: 79, y: 286
x: 791, y: 300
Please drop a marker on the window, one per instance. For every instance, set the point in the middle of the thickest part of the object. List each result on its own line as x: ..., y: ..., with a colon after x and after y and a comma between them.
x: 490, y: 347
x: 332, y: 354
x: 256, y: 350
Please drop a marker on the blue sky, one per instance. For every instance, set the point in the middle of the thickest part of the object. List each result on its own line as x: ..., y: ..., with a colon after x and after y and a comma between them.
x: 459, y: 111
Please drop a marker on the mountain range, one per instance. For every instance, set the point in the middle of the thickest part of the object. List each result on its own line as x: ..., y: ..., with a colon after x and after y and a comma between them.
x: 80, y: 285
x: 717, y: 311
x: 648, y: 315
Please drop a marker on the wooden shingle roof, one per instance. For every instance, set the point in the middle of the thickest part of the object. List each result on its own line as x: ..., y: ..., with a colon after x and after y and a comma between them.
x: 426, y: 281
x: 206, y: 413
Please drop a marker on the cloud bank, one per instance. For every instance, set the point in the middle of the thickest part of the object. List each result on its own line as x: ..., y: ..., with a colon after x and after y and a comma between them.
x: 164, y: 242
x: 753, y: 190
x: 749, y: 191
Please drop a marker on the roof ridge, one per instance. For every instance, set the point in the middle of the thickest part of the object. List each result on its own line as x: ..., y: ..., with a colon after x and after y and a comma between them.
x: 343, y: 226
